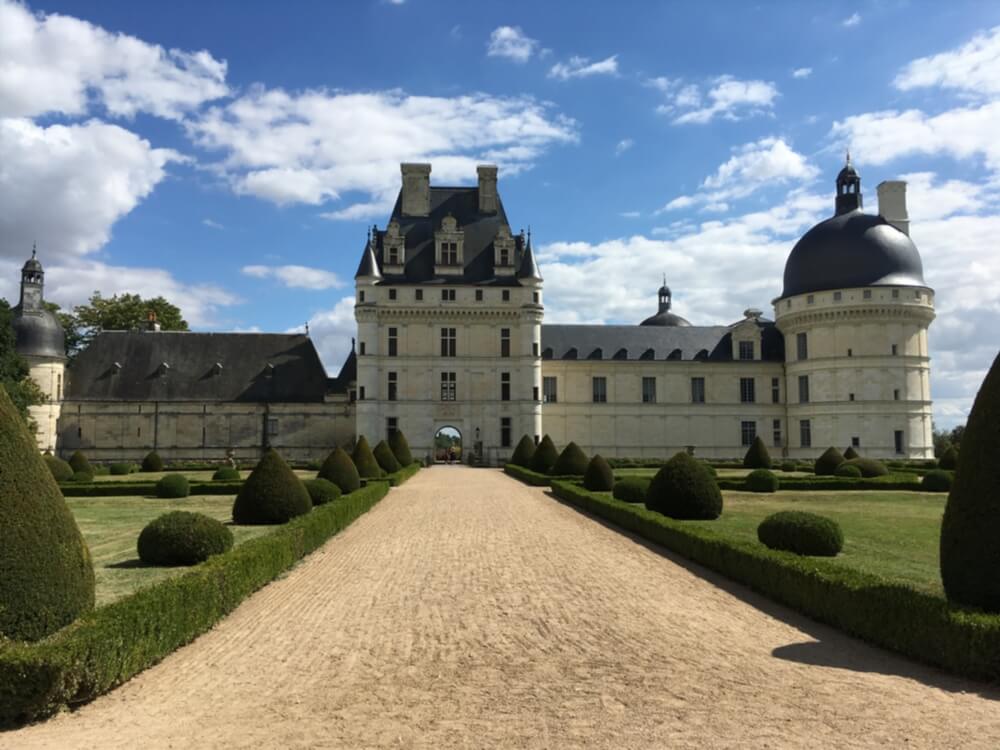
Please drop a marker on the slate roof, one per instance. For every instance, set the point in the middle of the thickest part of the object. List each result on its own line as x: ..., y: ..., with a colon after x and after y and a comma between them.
x: 348, y: 374
x: 255, y: 367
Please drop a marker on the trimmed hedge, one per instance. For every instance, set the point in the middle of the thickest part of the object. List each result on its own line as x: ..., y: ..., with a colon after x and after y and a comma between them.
x: 848, y: 470
x: 226, y: 474
x: 385, y: 458
x: 531, y: 477
x: 909, y: 482
x: 60, y: 470
x: 599, y: 477
x: 891, y: 615
x: 83, y: 477
x: 524, y: 452
x: 571, y: 462
x: 828, y: 462
x: 545, y: 456
x: 152, y: 462
x: 801, y: 533
x: 761, y: 480
x: 124, y: 489
x: 400, y: 448
x: 757, y: 456
x: 949, y: 459
x: 321, y: 491
x: 364, y: 460
x: 869, y: 467
x: 116, y: 642
x: 182, y: 538
x: 120, y: 470
x: 631, y: 489
x: 339, y: 468
x: 397, y: 478
x: 936, y: 481
x: 271, y: 494
x: 173, y: 486
x: 789, y: 466
x: 683, y: 488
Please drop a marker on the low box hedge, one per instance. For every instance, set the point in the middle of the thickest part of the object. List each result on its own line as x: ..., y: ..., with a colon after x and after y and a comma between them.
x: 399, y: 477
x: 533, y: 477
x: 893, y: 615
x: 122, y: 489
x: 109, y: 645
x: 903, y: 481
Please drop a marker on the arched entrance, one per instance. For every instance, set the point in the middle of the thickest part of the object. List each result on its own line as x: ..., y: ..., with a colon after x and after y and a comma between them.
x: 448, y: 444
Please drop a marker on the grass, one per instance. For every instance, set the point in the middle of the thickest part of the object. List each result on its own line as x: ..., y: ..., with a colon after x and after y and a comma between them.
x: 722, y: 473
x: 194, y: 476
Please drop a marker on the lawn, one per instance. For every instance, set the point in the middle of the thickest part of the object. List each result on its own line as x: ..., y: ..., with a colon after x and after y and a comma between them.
x: 194, y: 476
x: 722, y: 473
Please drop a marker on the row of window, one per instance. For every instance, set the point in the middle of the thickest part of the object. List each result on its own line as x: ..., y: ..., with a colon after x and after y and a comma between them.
x: 802, y: 347
x: 865, y: 294
x: 448, y: 295
x: 449, y: 343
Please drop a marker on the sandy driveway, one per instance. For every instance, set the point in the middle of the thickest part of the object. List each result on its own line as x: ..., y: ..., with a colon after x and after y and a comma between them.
x: 467, y: 610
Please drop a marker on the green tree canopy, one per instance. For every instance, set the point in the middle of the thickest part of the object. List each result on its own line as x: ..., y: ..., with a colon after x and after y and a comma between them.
x: 120, y: 312
x: 23, y: 391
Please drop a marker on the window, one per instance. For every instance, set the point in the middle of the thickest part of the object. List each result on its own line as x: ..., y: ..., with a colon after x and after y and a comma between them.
x: 803, y: 389
x: 850, y: 352
x: 549, y: 393
x: 505, y: 386
x: 447, y: 295
x: 802, y: 345
x: 447, y: 386
x: 850, y: 396
x: 535, y: 297
x: 697, y: 390
x: 504, y: 342
x: 856, y: 442
x: 393, y: 346
x: 272, y: 426
x: 600, y: 385
x: 479, y: 295
x: 649, y: 390
x: 898, y: 438
x: 534, y: 348
x: 810, y: 299
x: 895, y: 350
x: 838, y: 296
x: 361, y: 393
x: 895, y: 294
x: 391, y: 389
x: 505, y: 295
x: 747, y: 395
x: 895, y: 394
x: 776, y: 432
x: 391, y: 426
x: 867, y: 294
x: 504, y: 256
x: 746, y: 350
x: 448, y: 342
x: 353, y: 396
x: 392, y: 294
x: 361, y: 351
x: 392, y: 255
x: 505, y: 432
x: 361, y: 296
x: 748, y: 431
x: 449, y: 253
x: 534, y: 393
x: 775, y: 390
x: 805, y: 434
x: 419, y: 295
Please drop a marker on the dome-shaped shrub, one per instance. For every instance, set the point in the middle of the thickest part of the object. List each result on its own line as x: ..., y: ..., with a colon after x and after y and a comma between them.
x: 789, y: 466
x: 710, y: 469
x: 545, y: 456
x: 949, y: 459
x: 60, y: 470
x: 82, y: 476
x: 47, y: 579
x: 173, y: 486
x: 183, y: 538
x: 386, y: 458
x: 851, y: 453
x: 828, y: 462
x: 757, y: 456
x: 121, y: 469
x: 524, y: 452
x: 152, y: 462
x: 321, y: 491
x: 571, y: 462
x: 599, y: 477
x: 801, y: 533
x: 869, y: 467
x: 970, y: 554
x: 400, y: 448
x: 78, y: 462
x: 365, y: 460
x: 848, y: 470
x: 936, y: 481
x: 226, y: 474
x: 631, y: 489
x: 684, y: 489
x: 271, y: 494
x: 339, y: 468
x: 761, y: 480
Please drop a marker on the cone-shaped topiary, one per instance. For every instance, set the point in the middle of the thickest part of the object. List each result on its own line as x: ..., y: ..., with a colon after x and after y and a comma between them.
x: 61, y: 471
x: 47, y: 579
x: 684, y: 489
x: 78, y: 462
x: 386, y: 458
x: 182, y: 538
x: 572, y: 461
x: 869, y: 467
x: 828, y: 462
x: 321, y: 491
x: 599, y: 477
x: 757, y: 456
x: 949, y: 459
x: 152, y: 462
x: 524, y: 452
x: 365, y: 460
x: 970, y: 554
x: 801, y: 533
x: 545, y: 456
x: 339, y: 468
x: 400, y: 448
x: 851, y: 453
x: 271, y: 494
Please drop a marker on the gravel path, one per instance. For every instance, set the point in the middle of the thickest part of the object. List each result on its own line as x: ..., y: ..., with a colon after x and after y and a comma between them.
x: 467, y: 611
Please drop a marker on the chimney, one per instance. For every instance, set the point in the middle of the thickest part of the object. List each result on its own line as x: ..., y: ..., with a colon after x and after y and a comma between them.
x: 151, y: 323
x: 892, y: 204
x: 416, y: 189
x: 488, y: 200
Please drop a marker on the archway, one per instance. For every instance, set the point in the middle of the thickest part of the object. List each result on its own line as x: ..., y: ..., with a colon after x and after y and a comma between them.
x: 448, y: 444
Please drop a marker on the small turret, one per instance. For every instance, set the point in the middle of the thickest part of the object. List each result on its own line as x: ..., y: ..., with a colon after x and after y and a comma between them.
x: 528, y: 270
x: 848, y: 189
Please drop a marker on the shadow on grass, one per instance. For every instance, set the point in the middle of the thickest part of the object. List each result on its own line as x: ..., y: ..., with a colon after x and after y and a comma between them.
x: 830, y: 648
x: 135, y: 562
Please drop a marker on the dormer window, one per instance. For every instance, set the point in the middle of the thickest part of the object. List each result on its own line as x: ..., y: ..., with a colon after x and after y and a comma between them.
x: 503, y: 252
x: 449, y: 241
x: 216, y: 369
x: 116, y: 368
x: 268, y: 370
x: 162, y: 369
x: 393, y: 248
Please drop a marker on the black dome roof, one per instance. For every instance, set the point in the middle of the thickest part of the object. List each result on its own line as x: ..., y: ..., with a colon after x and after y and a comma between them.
x: 664, y: 318
x: 38, y: 333
x: 852, y: 249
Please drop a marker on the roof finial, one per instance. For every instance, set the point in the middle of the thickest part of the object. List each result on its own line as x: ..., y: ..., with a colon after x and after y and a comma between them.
x: 664, y: 279
x: 848, y: 156
x: 34, y: 249
x: 352, y: 343
x: 529, y: 235
x: 307, y: 328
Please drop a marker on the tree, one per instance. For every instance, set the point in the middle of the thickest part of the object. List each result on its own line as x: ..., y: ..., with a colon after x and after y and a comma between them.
x: 120, y: 312
x: 14, y: 377
x: 71, y: 329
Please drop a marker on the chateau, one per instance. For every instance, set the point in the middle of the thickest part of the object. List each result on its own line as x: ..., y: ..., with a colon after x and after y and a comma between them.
x: 451, y: 333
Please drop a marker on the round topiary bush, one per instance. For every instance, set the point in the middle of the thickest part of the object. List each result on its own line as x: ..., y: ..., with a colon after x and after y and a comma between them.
x: 60, y: 470
x: 684, y: 489
x: 869, y: 467
x: 599, y: 477
x: 78, y: 462
x: 571, y: 462
x: 710, y: 469
x: 340, y: 469
x: 400, y: 448
x: 761, y: 480
x: 757, y: 456
x: 949, y: 459
x: 47, y: 578
x: 121, y: 470
x: 82, y: 476
x: 152, y: 462
x: 801, y: 533
x: 848, y: 470
x: 271, y: 494
x: 386, y: 458
x: 321, y: 491
x: 226, y: 474
x: 851, y: 453
x: 173, y: 486
x: 631, y: 489
x: 970, y: 554
x: 789, y: 466
x: 365, y: 460
x: 183, y: 538
x: 524, y: 452
x: 545, y: 456
x: 827, y: 463
x: 937, y: 480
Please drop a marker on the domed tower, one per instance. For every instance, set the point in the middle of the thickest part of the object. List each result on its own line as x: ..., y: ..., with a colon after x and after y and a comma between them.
x: 40, y: 339
x: 854, y: 313
x: 663, y: 316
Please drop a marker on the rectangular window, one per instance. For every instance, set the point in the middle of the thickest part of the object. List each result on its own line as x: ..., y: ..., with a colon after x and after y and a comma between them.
x: 272, y: 426
x: 805, y: 434
x: 747, y: 394
x: 803, y: 389
x: 810, y: 299
x: 419, y: 295
x: 895, y: 394
x: 505, y: 432
x: 392, y: 294
x: 649, y: 390
x: 391, y: 426
x: 850, y: 352
x: 534, y: 393
x: 549, y: 392
x: 748, y: 431
x: 447, y: 295
x: 449, y: 253
x: 867, y: 294
x: 447, y: 386
x: 898, y: 438
x: 776, y: 432
x: 534, y: 348
x: 391, y: 389
x: 850, y: 396
x: 895, y: 350
x: 353, y: 396
x: 448, y: 339
x: 479, y: 295
x: 895, y: 294
x: 535, y: 297
x: 697, y: 390
x: 504, y: 256
x: 505, y: 295
x: 392, y: 255
x: 775, y: 390
x: 361, y: 350
x: 838, y: 296
x: 504, y: 342
x: 505, y: 386
x: 746, y: 350
x: 856, y: 442
x: 393, y: 346
x: 802, y: 345
x: 600, y: 387
x: 361, y: 393
x: 361, y: 296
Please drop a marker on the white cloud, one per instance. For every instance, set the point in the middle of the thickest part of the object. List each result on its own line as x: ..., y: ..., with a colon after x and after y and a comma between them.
x: 56, y: 64
x: 725, y: 96
x: 582, y: 67
x: 512, y: 43
x: 623, y: 145
x: 212, y: 224
x: 802, y: 72
x: 852, y: 20
x: 974, y: 68
x: 331, y: 331
x: 296, y: 277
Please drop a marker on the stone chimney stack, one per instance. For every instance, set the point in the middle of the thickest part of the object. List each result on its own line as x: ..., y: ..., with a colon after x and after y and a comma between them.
x: 416, y: 189
x: 488, y: 201
x: 892, y: 204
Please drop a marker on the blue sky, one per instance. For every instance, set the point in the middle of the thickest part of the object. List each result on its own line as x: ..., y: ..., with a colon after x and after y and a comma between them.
x: 231, y: 155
